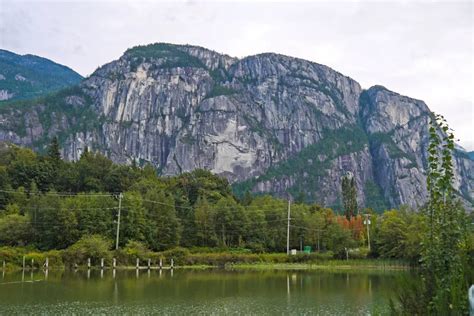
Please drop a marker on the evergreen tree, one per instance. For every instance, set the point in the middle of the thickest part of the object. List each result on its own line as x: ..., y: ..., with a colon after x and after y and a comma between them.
x: 54, y: 151
x: 349, y: 196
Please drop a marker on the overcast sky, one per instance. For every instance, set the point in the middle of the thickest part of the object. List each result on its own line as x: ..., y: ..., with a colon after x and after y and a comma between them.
x: 422, y: 49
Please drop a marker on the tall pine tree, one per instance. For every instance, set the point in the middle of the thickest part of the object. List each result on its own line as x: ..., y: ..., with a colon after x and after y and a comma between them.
x: 54, y: 151
x: 349, y: 196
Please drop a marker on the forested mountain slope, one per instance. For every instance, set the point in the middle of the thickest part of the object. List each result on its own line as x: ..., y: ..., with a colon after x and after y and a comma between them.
x: 29, y: 76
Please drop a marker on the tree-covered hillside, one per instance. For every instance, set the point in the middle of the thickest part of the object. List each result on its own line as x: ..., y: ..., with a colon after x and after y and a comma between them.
x: 29, y: 76
x: 49, y: 203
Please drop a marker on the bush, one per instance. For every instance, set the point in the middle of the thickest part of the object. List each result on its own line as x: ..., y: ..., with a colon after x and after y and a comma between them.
x: 15, y: 230
x: 38, y: 259
x: 94, y: 247
x: 256, y: 247
x: 358, y: 253
x: 179, y: 255
x: 132, y: 251
x: 221, y: 259
x: 12, y: 255
x: 328, y: 255
x: 55, y: 258
x: 274, y: 258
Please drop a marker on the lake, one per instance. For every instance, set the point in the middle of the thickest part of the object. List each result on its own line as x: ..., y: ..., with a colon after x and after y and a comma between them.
x: 185, y: 291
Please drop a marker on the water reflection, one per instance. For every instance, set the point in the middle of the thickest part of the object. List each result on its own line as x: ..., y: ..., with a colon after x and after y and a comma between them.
x: 187, y: 291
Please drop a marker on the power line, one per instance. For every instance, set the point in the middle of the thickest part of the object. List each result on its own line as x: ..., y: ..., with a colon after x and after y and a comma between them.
x: 67, y: 209
x: 62, y: 194
x: 116, y: 195
x: 246, y: 209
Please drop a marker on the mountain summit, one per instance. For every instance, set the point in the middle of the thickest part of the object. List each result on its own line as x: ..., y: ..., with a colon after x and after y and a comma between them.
x: 269, y: 123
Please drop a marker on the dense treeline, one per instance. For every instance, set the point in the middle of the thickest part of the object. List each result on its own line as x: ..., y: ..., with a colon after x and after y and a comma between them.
x: 48, y: 203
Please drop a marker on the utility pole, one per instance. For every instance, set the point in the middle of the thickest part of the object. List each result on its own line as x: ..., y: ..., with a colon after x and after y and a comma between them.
x: 288, y: 228
x: 118, y: 222
x: 367, y: 222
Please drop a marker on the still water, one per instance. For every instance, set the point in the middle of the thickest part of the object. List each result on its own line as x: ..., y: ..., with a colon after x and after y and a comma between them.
x: 197, y: 292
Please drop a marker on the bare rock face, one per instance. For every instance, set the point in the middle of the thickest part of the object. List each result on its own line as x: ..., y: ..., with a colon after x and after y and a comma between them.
x: 397, y: 127
x: 5, y: 94
x: 268, y: 123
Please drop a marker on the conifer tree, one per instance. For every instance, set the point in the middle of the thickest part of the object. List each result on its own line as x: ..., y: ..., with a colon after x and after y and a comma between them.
x: 54, y: 151
x: 349, y: 196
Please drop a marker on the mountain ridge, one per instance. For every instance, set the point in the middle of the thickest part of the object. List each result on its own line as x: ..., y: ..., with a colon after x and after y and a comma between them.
x: 269, y: 123
x: 28, y: 76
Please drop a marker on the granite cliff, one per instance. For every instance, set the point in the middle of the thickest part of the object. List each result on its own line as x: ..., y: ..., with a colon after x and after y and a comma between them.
x: 268, y: 123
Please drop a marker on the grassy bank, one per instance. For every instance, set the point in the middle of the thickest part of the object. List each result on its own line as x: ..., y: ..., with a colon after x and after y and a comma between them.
x: 364, y: 264
x: 184, y: 258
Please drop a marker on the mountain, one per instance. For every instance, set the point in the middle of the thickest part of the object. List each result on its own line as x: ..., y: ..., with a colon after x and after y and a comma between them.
x: 269, y: 123
x: 29, y: 76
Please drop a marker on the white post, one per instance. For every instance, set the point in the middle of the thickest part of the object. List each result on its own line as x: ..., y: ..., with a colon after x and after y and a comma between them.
x: 367, y: 222
x: 118, y: 222
x: 102, y: 263
x: 149, y: 264
x: 114, y: 262
x: 138, y: 263
x: 47, y: 263
x: 172, y: 263
x: 161, y: 263
x: 471, y: 299
x: 88, y: 263
x: 288, y: 229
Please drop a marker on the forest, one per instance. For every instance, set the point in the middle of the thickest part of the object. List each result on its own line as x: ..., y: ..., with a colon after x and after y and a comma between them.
x: 48, y: 203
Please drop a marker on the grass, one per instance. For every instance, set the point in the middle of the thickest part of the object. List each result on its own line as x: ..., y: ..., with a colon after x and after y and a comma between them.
x: 363, y: 264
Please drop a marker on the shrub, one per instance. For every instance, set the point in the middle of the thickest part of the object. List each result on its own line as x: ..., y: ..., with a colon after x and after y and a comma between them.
x: 358, y: 253
x: 274, y: 258
x: 132, y: 251
x: 328, y: 255
x: 55, y: 258
x: 15, y: 230
x: 256, y: 247
x: 201, y: 250
x: 37, y: 257
x: 221, y: 259
x: 179, y: 255
x: 12, y: 255
x: 94, y: 247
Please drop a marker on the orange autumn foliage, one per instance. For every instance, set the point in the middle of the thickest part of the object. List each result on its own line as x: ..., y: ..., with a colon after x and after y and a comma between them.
x: 355, y: 225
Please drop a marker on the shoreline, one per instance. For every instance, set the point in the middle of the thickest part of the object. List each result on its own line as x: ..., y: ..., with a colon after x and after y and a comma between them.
x: 336, y: 265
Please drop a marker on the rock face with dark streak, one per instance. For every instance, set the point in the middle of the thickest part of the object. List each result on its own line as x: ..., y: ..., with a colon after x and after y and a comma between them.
x: 269, y: 123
